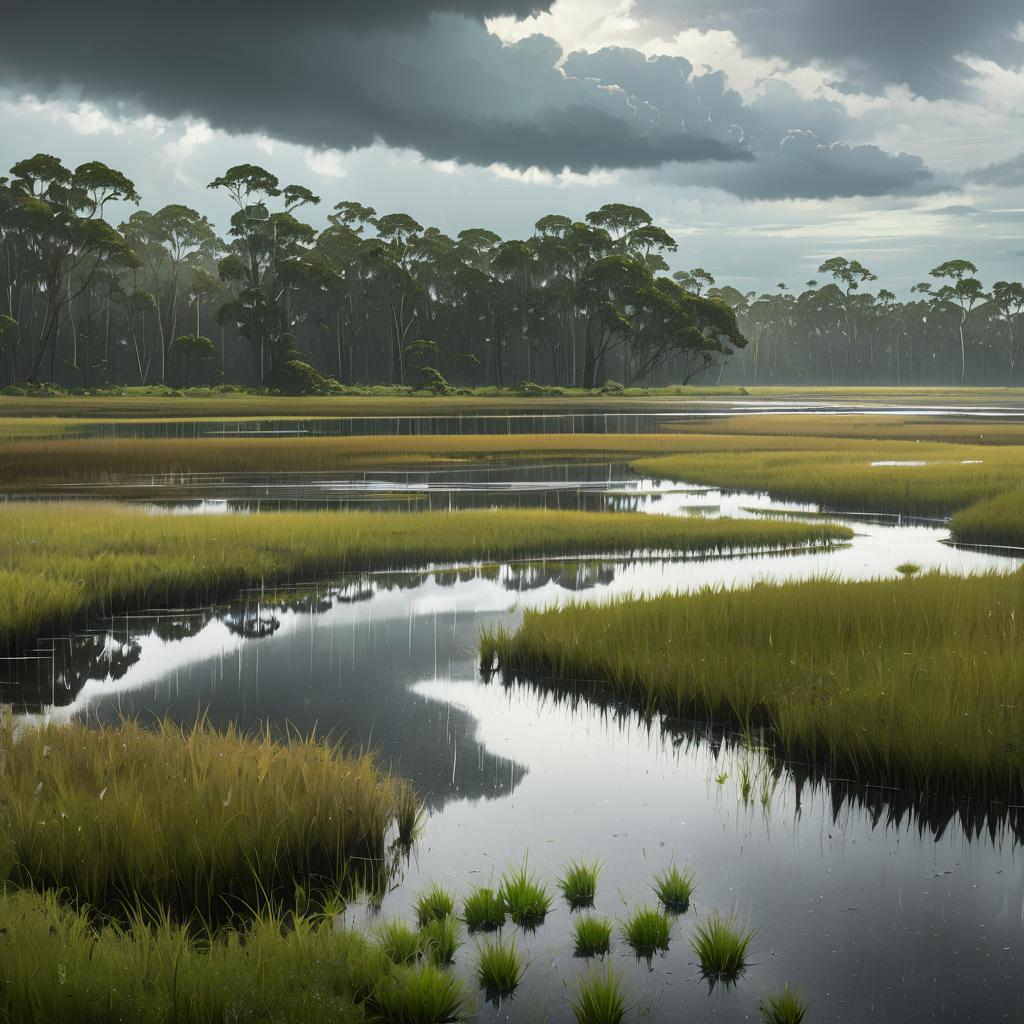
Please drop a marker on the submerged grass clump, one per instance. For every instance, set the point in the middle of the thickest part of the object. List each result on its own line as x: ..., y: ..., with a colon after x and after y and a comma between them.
x: 647, y: 931
x: 418, y: 995
x: 897, y: 682
x: 784, y: 1007
x: 592, y: 935
x: 674, y: 888
x: 579, y: 883
x: 599, y: 998
x: 434, y: 905
x: 722, y: 947
x: 439, y: 940
x: 483, y: 910
x: 67, y: 560
x: 499, y: 967
x: 526, y: 899
x: 193, y: 820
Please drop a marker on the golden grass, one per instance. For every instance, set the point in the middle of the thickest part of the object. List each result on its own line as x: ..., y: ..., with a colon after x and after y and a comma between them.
x: 64, y: 560
x: 912, y: 681
x: 194, y: 820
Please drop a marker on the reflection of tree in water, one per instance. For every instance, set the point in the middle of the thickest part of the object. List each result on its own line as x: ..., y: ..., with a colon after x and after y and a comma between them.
x: 575, y: 576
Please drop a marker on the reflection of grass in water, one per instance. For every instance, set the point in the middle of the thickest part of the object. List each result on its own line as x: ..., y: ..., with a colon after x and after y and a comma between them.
x: 63, y: 560
x: 599, y: 998
x: 722, y: 947
x: 674, y: 888
x: 499, y: 967
x: 897, y: 681
x: 197, y: 821
x: 784, y: 1007
x: 579, y: 883
x: 592, y: 936
x: 647, y: 931
x: 483, y: 910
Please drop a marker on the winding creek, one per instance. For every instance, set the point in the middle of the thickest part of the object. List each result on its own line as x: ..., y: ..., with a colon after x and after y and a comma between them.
x: 879, y: 907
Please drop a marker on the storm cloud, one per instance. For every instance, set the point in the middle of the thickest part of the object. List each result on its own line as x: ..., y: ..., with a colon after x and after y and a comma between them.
x: 795, y: 143
x: 874, y: 42
x: 440, y: 84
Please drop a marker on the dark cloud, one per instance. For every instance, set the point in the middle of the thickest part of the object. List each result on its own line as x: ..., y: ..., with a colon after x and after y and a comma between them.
x: 443, y: 86
x: 795, y: 142
x: 875, y: 42
x: 1006, y: 173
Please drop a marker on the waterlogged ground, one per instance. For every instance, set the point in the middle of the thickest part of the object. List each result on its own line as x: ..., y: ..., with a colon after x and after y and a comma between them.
x: 878, y: 907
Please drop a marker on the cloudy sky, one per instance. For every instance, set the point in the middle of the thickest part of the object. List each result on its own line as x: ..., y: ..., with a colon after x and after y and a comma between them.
x: 765, y: 138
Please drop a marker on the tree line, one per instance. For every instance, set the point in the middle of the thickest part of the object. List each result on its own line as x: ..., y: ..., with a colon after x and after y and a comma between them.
x: 160, y: 298
x: 371, y: 298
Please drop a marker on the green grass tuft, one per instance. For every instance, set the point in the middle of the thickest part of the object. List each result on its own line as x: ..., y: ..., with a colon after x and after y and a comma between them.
x: 721, y: 947
x: 499, y: 967
x: 579, y: 883
x: 418, y: 995
x: 592, y: 935
x: 483, y: 910
x: 599, y: 999
x: 434, y: 904
x: 784, y: 1007
x: 439, y: 939
x: 674, y: 888
x: 647, y: 931
x: 400, y: 943
x: 526, y: 899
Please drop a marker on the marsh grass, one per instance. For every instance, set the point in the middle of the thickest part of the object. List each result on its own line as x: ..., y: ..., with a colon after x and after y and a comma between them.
x: 898, y: 682
x: 599, y: 998
x: 63, y: 968
x: 647, y: 930
x: 483, y: 910
x: 499, y: 967
x: 722, y: 947
x: 439, y: 940
x: 64, y: 561
x: 192, y: 820
x: 526, y: 899
x: 784, y: 1007
x: 400, y: 943
x: 435, y: 904
x: 579, y: 883
x: 423, y: 994
x: 674, y: 889
x: 592, y: 936
x: 999, y: 521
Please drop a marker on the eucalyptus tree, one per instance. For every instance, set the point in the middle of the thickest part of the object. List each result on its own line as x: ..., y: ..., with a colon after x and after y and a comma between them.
x: 259, y: 260
x: 1008, y: 304
x: 964, y: 291
x: 54, y: 222
x: 848, y: 275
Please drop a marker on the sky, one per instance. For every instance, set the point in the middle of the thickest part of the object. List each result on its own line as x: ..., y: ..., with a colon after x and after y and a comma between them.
x: 765, y: 138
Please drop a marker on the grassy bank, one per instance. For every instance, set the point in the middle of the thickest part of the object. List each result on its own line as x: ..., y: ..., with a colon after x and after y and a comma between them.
x: 909, y: 682
x: 194, y: 821
x: 62, y: 561
x: 851, y: 475
x: 998, y: 521
x: 57, y: 966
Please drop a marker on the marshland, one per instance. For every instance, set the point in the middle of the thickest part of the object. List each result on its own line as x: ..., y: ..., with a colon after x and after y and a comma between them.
x: 719, y: 718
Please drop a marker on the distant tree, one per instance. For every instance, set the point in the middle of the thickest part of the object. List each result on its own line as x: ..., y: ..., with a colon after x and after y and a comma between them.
x: 191, y: 350
x: 964, y: 291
